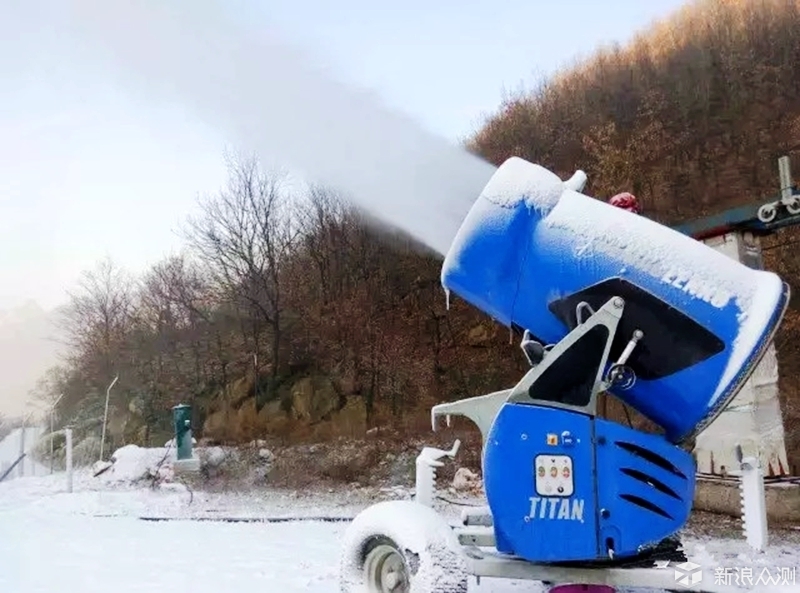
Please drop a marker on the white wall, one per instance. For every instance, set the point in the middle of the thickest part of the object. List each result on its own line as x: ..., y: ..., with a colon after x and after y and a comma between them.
x: 753, y: 419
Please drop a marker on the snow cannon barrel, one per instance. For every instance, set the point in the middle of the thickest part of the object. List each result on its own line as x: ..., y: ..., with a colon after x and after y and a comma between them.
x: 531, y: 249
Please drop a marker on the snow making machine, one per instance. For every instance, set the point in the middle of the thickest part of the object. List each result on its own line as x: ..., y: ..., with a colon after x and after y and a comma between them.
x: 606, y: 301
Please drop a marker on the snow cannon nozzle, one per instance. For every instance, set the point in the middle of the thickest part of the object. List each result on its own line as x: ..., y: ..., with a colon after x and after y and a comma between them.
x: 577, y: 182
x: 536, y: 254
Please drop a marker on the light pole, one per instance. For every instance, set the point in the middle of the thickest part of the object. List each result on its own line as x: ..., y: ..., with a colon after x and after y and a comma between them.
x: 105, y: 418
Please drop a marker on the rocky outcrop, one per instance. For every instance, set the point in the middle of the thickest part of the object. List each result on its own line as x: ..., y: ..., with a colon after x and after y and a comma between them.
x: 313, y: 399
x: 481, y: 335
x: 309, y: 405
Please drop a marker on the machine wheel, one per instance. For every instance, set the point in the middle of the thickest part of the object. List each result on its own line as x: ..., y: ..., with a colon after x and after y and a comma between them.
x: 767, y: 213
x: 793, y: 206
x: 401, y: 547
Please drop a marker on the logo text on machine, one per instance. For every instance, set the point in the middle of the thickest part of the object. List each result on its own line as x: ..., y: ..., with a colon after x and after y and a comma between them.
x: 559, y: 509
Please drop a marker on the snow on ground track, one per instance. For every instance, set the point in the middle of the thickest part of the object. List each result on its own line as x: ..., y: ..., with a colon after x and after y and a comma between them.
x: 92, y: 541
x: 127, y: 555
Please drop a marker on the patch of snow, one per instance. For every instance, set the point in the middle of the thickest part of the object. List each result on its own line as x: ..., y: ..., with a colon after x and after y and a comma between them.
x: 100, y: 466
x: 775, y: 571
x: 132, y: 464
x: 519, y: 181
x: 399, y: 492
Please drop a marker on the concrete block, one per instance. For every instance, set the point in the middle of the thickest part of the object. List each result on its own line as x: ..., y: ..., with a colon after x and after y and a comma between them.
x: 186, y: 466
x: 723, y: 496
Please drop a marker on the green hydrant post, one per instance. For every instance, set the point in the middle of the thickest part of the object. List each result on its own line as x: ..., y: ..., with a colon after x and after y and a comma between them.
x: 182, y: 419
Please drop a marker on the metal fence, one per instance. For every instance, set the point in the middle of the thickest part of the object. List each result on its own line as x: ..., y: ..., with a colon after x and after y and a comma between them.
x: 22, y: 440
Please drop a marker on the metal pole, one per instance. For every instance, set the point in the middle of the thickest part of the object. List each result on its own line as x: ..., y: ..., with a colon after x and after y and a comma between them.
x: 21, y: 472
x: 52, y: 442
x: 25, y: 419
x: 785, y: 174
x: 68, y: 433
x: 105, y: 418
x: 255, y: 380
x: 52, y: 428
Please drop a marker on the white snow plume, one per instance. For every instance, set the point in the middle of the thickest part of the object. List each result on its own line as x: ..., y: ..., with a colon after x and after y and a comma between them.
x: 273, y: 100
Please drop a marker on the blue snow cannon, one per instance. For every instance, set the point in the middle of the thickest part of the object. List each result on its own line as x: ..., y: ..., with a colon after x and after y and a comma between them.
x: 531, y: 250
x: 612, y: 302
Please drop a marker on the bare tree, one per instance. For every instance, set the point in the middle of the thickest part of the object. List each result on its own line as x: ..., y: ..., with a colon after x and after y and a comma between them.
x: 324, y: 239
x: 243, y: 236
x: 50, y: 386
x: 194, y: 309
x: 98, y: 316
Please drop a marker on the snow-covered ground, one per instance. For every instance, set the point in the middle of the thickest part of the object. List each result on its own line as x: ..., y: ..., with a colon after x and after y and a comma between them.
x: 94, y: 540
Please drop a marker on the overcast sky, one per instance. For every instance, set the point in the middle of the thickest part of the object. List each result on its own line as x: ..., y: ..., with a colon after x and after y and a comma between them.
x: 89, y: 170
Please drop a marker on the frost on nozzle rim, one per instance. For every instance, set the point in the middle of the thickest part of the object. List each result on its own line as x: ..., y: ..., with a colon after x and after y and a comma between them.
x: 519, y: 181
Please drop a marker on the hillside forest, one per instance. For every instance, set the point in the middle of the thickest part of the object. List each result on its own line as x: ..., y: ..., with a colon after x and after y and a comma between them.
x: 291, y: 317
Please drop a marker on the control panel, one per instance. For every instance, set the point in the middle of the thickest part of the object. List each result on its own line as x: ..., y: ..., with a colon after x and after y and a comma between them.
x: 554, y: 475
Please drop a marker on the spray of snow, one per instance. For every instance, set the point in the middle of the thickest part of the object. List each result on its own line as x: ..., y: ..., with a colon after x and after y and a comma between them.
x: 273, y: 100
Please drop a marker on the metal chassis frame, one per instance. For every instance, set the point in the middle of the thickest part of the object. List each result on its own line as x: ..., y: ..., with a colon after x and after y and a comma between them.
x: 476, y: 533
x: 493, y: 565
x: 482, y: 561
x: 482, y: 410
